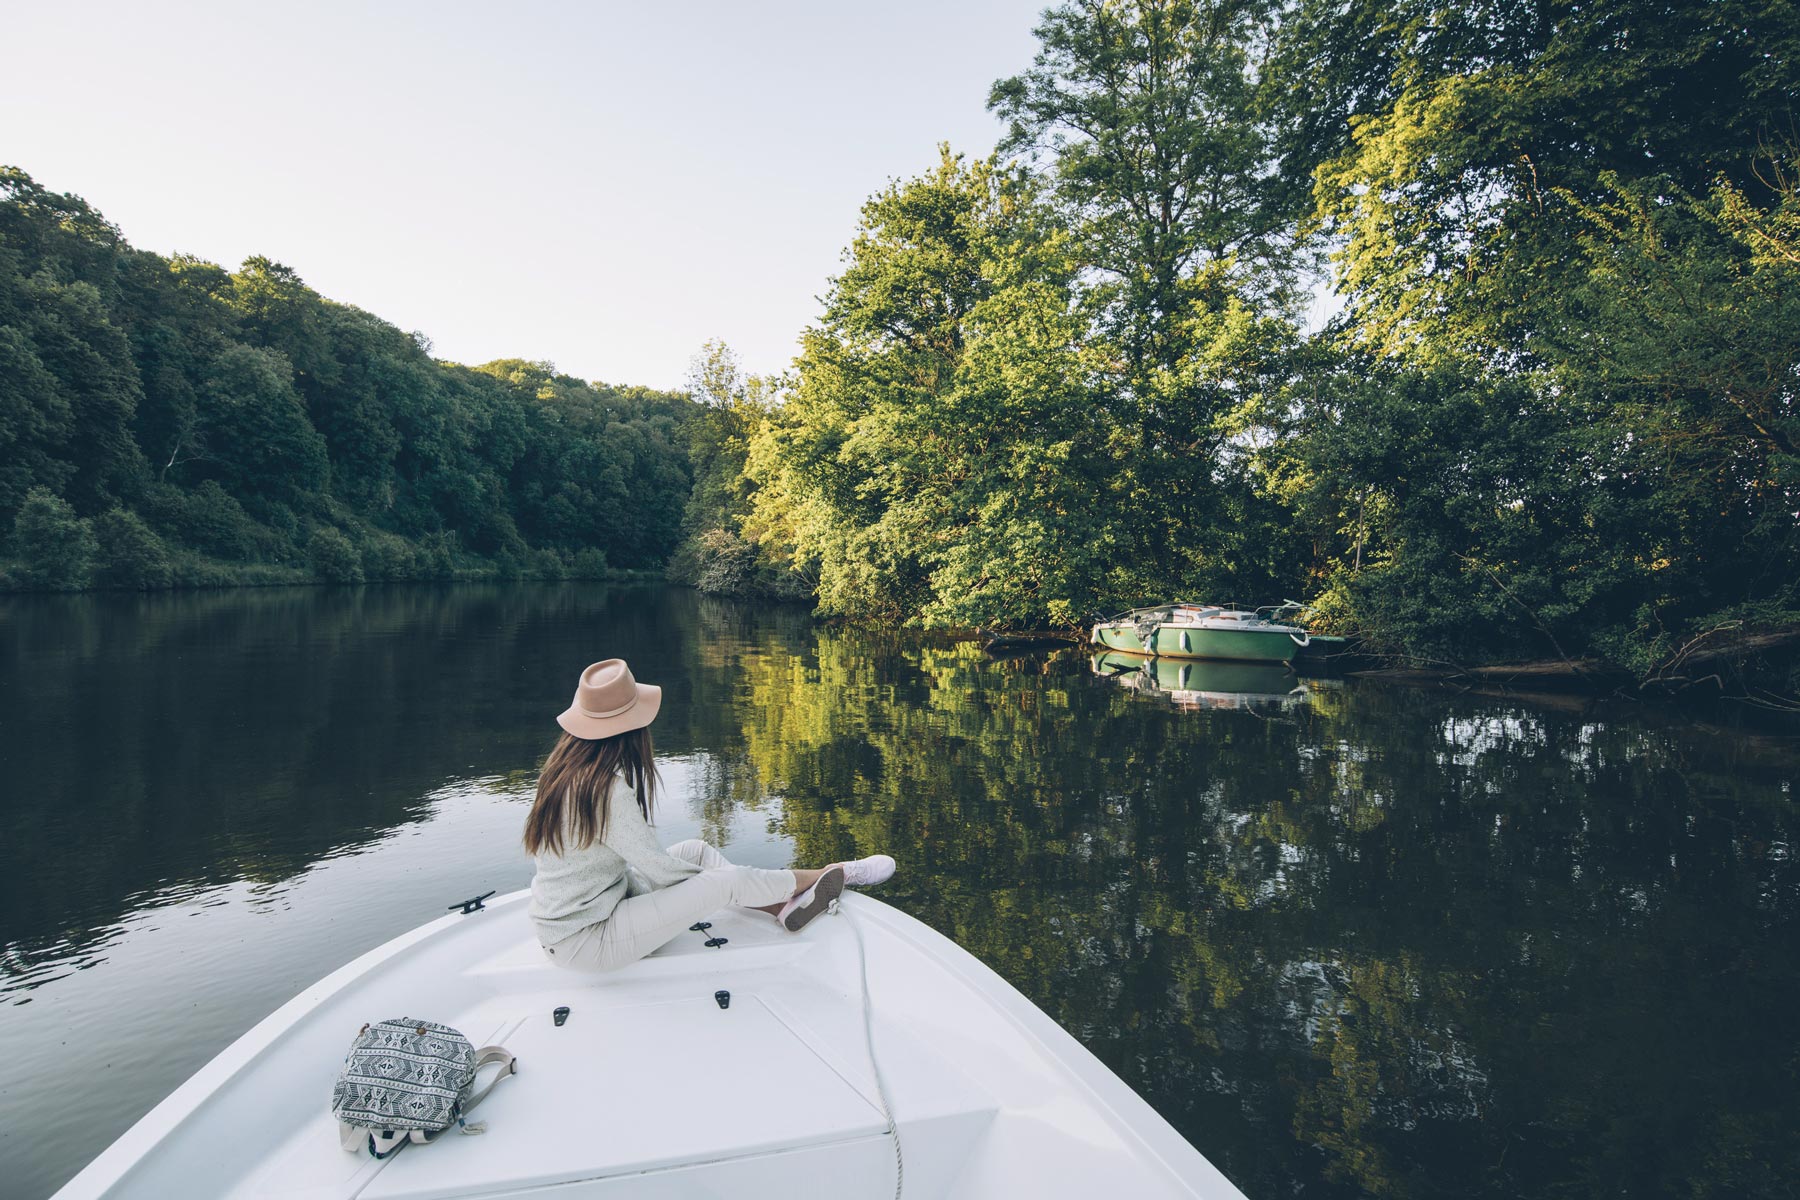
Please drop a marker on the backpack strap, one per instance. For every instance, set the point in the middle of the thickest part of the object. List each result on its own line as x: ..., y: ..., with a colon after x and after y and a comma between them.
x: 486, y: 1056
x: 357, y: 1138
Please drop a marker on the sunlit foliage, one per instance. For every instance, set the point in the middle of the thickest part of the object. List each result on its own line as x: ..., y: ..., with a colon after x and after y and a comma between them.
x: 1555, y: 417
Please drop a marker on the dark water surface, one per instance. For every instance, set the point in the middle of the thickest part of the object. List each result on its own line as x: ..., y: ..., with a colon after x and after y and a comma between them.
x: 1356, y: 940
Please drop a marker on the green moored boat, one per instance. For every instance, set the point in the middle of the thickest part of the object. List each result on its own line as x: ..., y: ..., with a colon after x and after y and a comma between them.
x: 1182, y: 630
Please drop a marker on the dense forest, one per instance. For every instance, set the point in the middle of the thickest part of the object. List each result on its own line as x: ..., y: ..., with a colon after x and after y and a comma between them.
x: 164, y: 421
x: 1554, y: 415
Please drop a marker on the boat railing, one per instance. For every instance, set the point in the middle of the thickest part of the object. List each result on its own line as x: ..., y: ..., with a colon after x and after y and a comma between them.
x: 1267, y: 613
x: 1166, y: 610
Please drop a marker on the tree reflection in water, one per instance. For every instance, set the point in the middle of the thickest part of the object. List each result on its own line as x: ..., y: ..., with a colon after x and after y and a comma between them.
x: 1377, y: 941
x: 1360, y: 940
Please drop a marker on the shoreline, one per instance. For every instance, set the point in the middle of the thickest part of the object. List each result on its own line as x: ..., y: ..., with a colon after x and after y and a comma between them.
x: 1755, y: 660
x: 1742, y: 658
x: 619, y: 575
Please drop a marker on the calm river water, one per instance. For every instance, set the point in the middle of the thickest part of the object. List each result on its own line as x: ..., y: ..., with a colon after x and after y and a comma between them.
x: 1353, y: 940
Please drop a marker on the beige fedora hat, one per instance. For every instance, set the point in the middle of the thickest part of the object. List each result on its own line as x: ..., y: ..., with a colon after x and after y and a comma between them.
x: 609, y: 701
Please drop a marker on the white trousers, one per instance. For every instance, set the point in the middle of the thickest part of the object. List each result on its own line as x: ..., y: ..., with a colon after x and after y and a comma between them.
x: 642, y: 923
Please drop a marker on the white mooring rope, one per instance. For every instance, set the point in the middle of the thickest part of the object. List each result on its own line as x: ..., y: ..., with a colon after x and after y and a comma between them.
x: 887, y: 1105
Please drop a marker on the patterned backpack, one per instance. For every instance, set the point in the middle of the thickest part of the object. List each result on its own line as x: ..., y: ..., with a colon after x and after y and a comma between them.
x: 408, y: 1080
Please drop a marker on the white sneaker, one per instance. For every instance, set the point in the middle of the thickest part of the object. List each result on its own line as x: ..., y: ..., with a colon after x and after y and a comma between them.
x: 798, y: 912
x: 867, y: 872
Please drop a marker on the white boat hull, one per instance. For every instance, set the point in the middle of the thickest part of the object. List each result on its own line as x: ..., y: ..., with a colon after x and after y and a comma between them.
x: 652, y: 1090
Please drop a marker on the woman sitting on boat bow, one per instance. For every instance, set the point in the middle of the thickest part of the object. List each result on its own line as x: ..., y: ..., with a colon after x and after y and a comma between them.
x: 605, y: 893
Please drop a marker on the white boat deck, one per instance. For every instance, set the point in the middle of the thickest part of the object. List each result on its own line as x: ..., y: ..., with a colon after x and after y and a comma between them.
x: 651, y: 1090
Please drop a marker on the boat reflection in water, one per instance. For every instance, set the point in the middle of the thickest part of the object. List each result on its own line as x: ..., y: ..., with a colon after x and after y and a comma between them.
x: 1198, y: 683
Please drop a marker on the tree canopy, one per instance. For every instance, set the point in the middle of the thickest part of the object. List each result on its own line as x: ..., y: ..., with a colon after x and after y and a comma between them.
x: 1554, y: 416
x: 214, y: 426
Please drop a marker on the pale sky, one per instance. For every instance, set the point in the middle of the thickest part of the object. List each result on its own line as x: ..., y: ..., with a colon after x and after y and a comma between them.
x: 602, y: 185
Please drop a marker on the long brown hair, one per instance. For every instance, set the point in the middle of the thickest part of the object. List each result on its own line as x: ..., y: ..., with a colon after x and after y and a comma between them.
x: 575, y: 785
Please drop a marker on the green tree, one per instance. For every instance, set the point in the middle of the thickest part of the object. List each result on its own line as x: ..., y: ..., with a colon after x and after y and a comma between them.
x: 1145, y: 118
x: 1560, y: 226
x: 849, y: 471
x: 730, y: 407
x: 70, y: 387
x: 130, y: 555
x: 942, y: 457
x: 1147, y: 111
x: 1463, y: 141
x: 237, y: 411
x: 717, y: 435
x: 333, y: 558
x: 35, y: 419
x: 279, y: 312
x: 55, y: 547
x: 261, y: 437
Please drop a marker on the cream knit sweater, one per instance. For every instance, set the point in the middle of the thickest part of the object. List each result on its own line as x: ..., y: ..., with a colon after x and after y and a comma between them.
x: 582, y: 885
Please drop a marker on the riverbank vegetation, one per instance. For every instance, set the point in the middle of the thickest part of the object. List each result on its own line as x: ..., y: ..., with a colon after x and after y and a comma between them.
x: 164, y: 422
x: 1554, y: 415
x: 1547, y: 411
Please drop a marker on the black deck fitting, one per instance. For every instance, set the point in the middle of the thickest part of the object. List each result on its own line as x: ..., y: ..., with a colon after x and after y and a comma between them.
x: 472, y: 904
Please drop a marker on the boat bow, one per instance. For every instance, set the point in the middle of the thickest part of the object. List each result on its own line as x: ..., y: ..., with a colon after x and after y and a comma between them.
x: 652, y: 1088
